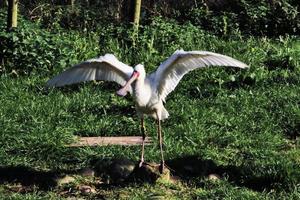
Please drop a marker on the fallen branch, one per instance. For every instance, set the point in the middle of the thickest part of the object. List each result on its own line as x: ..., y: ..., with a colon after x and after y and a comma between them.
x: 104, y: 141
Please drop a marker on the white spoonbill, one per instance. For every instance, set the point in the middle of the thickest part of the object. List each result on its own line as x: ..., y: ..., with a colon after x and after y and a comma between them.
x: 149, y: 91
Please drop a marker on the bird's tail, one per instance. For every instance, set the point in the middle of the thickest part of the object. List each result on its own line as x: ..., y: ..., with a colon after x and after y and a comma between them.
x: 164, y: 114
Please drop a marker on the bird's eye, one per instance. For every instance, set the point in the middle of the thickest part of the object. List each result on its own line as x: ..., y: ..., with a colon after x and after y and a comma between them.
x: 136, y: 73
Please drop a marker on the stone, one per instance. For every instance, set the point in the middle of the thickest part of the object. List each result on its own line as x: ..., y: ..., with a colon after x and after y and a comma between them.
x: 87, y: 172
x: 149, y: 172
x: 86, y: 189
x: 214, y: 177
x: 114, y: 170
x: 65, y: 180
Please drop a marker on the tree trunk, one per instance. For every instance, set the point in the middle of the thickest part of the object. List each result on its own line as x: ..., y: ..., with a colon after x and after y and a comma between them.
x: 12, y: 14
x: 137, y: 12
x: 71, y: 3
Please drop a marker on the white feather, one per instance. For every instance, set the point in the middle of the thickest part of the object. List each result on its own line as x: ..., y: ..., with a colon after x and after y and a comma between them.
x: 171, y: 71
x: 106, y: 67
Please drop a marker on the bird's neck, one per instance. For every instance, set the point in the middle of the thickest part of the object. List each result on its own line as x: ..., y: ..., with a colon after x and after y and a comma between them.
x: 139, y: 84
x: 141, y: 89
x: 141, y: 92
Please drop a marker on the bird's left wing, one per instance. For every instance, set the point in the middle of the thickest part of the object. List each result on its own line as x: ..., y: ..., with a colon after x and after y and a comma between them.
x: 171, y: 71
x: 107, y: 68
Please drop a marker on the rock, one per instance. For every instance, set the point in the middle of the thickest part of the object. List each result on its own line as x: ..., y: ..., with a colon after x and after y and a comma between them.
x: 121, y: 169
x: 214, y: 177
x: 75, y: 198
x: 115, y: 170
x: 149, y: 172
x: 87, y: 172
x: 65, y: 180
x: 20, y: 188
x: 86, y: 189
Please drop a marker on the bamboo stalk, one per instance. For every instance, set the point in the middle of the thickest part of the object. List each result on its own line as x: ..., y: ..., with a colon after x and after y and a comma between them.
x: 104, y: 141
x: 137, y: 12
x: 12, y: 14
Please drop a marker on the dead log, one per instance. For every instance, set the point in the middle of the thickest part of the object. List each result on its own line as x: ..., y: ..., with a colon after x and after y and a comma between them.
x: 104, y: 141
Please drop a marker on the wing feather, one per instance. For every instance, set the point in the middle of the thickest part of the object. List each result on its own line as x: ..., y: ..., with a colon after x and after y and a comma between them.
x: 107, y: 68
x: 171, y: 71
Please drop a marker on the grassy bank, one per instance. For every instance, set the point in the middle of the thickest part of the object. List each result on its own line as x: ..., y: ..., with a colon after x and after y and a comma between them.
x: 243, y: 125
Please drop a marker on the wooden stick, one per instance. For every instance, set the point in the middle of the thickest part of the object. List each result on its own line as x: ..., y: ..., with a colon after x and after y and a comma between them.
x: 104, y: 141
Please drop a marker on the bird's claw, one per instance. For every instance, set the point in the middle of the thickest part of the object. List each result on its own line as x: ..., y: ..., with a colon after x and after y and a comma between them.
x: 141, y: 163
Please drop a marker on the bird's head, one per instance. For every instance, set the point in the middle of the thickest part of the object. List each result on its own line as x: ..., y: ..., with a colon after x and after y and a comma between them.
x: 141, y: 71
x: 138, y: 72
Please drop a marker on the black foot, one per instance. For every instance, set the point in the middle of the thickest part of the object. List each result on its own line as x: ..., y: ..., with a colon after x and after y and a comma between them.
x: 161, y: 167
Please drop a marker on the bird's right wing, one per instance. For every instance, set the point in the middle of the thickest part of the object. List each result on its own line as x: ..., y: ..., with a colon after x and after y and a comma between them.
x: 107, y: 68
x: 171, y: 71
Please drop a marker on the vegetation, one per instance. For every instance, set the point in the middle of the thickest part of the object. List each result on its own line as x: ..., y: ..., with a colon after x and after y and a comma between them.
x: 243, y: 125
x: 222, y: 17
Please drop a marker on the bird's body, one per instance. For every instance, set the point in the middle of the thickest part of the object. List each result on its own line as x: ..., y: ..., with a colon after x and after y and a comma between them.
x: 149, y: 91
x: 147, y: 100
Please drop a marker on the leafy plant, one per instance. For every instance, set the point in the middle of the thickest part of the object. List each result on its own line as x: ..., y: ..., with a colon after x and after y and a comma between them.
x: 271, y: 18
x: 32, y: 49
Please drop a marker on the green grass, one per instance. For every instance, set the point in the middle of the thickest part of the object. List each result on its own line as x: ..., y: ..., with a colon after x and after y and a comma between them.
x: 245, y: 123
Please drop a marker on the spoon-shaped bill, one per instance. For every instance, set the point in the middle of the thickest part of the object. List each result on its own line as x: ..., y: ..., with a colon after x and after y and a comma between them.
x: 123, y: 91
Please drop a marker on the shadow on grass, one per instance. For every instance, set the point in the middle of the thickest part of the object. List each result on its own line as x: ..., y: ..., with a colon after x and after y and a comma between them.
x: 245, y: 83
x: 113, y: 109
x: 211, y: 88
x: 44, y: 90
x: 28, y: 177
x: 292, y: 131
x: 117, y: 171
x: 97, y: 86
x: 191, y: 167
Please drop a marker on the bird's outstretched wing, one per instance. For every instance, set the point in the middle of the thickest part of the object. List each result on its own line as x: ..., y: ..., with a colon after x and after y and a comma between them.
x: 171, y: 71
x: 107, y: 68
